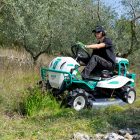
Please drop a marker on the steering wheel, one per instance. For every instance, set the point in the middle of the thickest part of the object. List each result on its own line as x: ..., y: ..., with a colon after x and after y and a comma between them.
x: 79, y: 53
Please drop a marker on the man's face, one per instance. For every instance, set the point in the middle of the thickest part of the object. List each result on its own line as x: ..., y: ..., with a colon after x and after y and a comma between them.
x: 98, y: 35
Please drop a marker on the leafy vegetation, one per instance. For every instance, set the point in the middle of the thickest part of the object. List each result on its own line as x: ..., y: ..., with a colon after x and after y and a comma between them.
x: 53, y: 26
x: 35, y: 100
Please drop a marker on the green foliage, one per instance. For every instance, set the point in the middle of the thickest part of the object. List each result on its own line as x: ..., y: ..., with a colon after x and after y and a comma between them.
x: 50, y: 26
x: 1, y: 99
x: 35, y: 101
x: 100, y: 124
x: 114, y: 109
x: 53, y: 26
x: 123, y: 35
x: 118, y: 121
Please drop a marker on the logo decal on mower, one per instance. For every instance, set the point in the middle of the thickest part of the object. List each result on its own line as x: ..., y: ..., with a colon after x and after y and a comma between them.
x: 53, y: 77
x: 114, y: 82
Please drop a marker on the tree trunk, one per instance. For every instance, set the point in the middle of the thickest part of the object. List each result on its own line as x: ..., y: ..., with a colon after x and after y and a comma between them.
x: 133, y: 37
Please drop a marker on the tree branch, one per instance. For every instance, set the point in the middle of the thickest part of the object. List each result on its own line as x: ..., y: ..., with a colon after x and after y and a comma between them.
x: 98, y: 11
x: 133, y: 37
x: 136, y: 18
x: 133, y: 10
x: 2, y: 4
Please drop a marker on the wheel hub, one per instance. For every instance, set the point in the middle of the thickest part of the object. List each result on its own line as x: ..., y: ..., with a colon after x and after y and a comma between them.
x: 79, y: 103
x: 131, y: 97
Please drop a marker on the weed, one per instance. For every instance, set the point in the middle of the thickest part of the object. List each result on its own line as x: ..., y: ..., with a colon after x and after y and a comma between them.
x: 100, y: 124
x: 36, y: 101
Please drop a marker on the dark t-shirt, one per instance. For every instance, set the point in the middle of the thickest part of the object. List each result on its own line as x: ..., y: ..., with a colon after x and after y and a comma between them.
x: 107, y: 52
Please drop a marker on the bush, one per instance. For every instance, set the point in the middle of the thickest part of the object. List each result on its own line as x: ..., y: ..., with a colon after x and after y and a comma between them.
x: 100, y: 124
x: 114, y: 109
x: 35, y: 101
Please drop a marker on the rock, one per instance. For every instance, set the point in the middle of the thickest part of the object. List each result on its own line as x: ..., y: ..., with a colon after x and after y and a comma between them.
x: 99, y: 136
x: 131, y: 131
x: 114, y: 136
x: 122, y: 132
x: 128, y: 136
x: 80, y: 136
x: 134, y: 131
x: 136, y: 137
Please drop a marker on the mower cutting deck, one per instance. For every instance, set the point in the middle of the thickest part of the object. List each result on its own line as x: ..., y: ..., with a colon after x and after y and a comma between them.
x: 105, y: 102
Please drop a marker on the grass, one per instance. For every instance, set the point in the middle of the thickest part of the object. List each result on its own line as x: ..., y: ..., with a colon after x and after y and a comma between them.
x: 34, y: 101
x: 28, y: 114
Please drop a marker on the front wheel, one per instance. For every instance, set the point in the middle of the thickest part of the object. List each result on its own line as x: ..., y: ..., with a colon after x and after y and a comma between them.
x: 77, y: 99
x: 79, y: 102
x: 130, y: 96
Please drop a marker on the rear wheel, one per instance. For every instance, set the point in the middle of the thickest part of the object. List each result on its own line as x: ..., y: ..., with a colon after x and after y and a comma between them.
x: 130, y: 96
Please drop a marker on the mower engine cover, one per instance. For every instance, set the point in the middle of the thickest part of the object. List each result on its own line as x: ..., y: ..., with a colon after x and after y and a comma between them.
x: 61, y: 64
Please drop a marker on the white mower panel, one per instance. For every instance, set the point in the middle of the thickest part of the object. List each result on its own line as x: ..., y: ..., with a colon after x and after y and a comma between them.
x: 62, y: 64
x: 114, y: 82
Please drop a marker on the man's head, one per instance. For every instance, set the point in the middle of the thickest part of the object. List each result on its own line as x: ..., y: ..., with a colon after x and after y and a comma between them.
x: 99, y: 32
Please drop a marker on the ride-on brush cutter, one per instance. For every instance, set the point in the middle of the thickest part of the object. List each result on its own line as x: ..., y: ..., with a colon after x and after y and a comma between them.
x: 63, y: 77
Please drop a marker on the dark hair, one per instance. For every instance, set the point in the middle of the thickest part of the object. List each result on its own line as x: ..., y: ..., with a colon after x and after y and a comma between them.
x: 103, y: 33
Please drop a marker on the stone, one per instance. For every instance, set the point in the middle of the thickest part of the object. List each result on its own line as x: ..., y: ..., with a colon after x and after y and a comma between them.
x: 136, y: 137
x: 131, y: 131
x: 128, y: 136
x: 114, y: 136
x: 122, y: 132
x: 80, y: 136
x: 99, y: 136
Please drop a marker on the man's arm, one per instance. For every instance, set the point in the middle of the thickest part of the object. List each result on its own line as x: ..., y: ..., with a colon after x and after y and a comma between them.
x: 95, y: 46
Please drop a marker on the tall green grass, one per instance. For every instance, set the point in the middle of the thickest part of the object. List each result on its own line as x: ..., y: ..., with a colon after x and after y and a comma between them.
x: 36, y: 101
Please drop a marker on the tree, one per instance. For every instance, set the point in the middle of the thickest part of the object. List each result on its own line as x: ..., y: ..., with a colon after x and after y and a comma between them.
x: 132, y: 10
x: 50, y: 26
x: 41, y: 26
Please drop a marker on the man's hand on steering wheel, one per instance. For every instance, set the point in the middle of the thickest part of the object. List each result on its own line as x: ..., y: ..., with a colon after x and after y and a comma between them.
x: 83, y: 46
x: 80, y: 52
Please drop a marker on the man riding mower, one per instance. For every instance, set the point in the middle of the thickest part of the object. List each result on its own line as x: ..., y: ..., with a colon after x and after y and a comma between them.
x: 82, y: 90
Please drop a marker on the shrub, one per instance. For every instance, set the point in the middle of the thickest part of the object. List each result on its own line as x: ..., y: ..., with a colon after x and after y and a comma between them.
x: 35, y: 101
x: 100, y: 124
